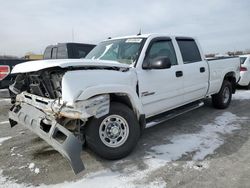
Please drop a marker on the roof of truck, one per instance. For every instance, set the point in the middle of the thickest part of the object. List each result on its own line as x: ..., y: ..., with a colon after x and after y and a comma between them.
x: 133, y: 36
x: 148, y: 35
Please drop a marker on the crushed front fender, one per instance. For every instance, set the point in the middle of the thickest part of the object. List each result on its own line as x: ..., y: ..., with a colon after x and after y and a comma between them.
x: 53, y: 133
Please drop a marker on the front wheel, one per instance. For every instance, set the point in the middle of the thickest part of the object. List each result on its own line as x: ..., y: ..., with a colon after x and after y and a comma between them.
x: 222, y: 99
x: 115, y: 135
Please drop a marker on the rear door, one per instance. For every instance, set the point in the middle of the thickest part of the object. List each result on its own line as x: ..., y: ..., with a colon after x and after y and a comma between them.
x: 195, y: 70
x: 160, y: 89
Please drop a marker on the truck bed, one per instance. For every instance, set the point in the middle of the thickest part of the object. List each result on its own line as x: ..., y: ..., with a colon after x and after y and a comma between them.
x: 217, y: 70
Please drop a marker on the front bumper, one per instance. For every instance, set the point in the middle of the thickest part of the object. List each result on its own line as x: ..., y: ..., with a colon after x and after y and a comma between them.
x: 39, y: 115
x: 97, y: 106
x: 70, y: 147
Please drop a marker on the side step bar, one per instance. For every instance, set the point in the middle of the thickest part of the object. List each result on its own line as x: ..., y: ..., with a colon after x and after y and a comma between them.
x: 53, y: 133
x: 152, y: 121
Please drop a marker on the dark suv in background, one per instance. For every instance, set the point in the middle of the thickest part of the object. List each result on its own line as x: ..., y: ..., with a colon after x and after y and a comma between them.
x: 59, y: 51
x: 67, y: 51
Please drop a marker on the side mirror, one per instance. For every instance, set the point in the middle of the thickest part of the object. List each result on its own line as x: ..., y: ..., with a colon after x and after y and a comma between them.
x: 158, y: 63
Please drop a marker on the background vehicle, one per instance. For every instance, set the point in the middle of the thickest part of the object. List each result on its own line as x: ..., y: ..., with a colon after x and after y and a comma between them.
x: 245, y: 71
x: 122, y: 86
x: 67, y: 51
x: 60, y: 51
x: 6, y: 66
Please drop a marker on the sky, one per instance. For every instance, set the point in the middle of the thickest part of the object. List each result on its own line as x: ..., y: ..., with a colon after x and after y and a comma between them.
x: 31, y: 25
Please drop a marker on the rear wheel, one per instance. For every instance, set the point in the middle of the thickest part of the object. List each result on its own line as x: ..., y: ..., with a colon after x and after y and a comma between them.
x: 222, y: 99
x: 115, y: 135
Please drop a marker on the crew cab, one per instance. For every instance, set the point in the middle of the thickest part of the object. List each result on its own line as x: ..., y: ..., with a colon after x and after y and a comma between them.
x: 124, y: 85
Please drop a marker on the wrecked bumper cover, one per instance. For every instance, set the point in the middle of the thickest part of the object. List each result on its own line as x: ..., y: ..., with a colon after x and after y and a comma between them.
x: 32, y: 118
x: 97, y: 106
x: 39, y: 115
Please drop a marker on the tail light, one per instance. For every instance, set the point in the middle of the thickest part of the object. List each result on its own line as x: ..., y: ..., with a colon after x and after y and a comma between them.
x: 242, y: 69
x: 4, y: 71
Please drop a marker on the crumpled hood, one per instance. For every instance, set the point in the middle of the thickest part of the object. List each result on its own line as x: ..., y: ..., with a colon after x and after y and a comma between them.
x: 32, y: 66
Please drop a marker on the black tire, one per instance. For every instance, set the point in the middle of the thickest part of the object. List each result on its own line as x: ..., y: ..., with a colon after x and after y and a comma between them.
x: 93, y: 137
x: 220, y: 100
x: 248, y: 87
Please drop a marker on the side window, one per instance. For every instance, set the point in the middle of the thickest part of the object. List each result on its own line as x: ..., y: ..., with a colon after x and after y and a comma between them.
x: 47, y: 53
x: 163, y: 48
x: 242, y: 60
x: 81, y: 50
x: 189, y: 50
x: 54, y: 53
x: 62, y: 52
x: 81, y: 53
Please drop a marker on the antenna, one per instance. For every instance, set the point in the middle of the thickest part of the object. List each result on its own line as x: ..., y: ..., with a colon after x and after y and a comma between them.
x: 139, y: 32
x: 72, y: 34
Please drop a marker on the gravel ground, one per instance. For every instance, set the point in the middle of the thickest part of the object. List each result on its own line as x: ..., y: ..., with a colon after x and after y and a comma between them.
x: 202, y: 148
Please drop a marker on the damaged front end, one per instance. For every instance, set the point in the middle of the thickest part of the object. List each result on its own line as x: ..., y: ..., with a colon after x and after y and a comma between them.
x: 37, y: 104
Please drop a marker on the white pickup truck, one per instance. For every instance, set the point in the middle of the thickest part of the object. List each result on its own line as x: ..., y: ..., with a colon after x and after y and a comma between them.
x: 123, y: 86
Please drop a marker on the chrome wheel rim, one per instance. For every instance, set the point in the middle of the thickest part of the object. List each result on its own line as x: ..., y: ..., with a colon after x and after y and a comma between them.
x: 226, y: 95
x: 114, y: 131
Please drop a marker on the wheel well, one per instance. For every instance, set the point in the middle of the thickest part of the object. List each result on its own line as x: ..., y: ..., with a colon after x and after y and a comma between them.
x: 231, y: 78
x: 123, y: 98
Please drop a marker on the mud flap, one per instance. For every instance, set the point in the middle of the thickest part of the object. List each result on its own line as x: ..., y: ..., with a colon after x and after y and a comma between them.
x: 54, y: 134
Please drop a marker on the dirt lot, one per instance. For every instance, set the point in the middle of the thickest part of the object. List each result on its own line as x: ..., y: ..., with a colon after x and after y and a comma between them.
x: 202, y: 148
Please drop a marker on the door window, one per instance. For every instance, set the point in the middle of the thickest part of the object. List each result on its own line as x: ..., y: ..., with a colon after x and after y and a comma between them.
x: 242, y: 60
x: 162, y: 48
x: 62, y: 52
x: 47, y: 53
x: 189, y: 50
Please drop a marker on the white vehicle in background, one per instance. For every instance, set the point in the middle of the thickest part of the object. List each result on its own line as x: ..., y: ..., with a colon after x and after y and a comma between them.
x: 245, y: 71
x: 123, y: 86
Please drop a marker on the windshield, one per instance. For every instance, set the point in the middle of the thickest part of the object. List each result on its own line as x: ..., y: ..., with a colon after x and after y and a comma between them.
x: 242, y: 60
x: 122, y: 50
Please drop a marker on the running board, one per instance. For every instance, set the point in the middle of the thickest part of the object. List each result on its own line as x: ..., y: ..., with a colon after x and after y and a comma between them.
x: 152, y: 121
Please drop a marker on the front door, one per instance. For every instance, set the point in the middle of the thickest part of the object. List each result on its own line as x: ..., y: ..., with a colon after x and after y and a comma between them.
x: 160, y: 89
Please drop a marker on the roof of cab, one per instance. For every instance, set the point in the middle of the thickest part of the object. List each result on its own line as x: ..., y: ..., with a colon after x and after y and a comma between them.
x: 147, y: 36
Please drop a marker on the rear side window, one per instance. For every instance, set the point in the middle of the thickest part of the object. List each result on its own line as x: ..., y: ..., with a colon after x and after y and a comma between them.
x: 242, y: 60
x: 81, y: 53
x: 62, y: 52
x: 189, y: 50
x: 47, y: 53
x: 82, y: 50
